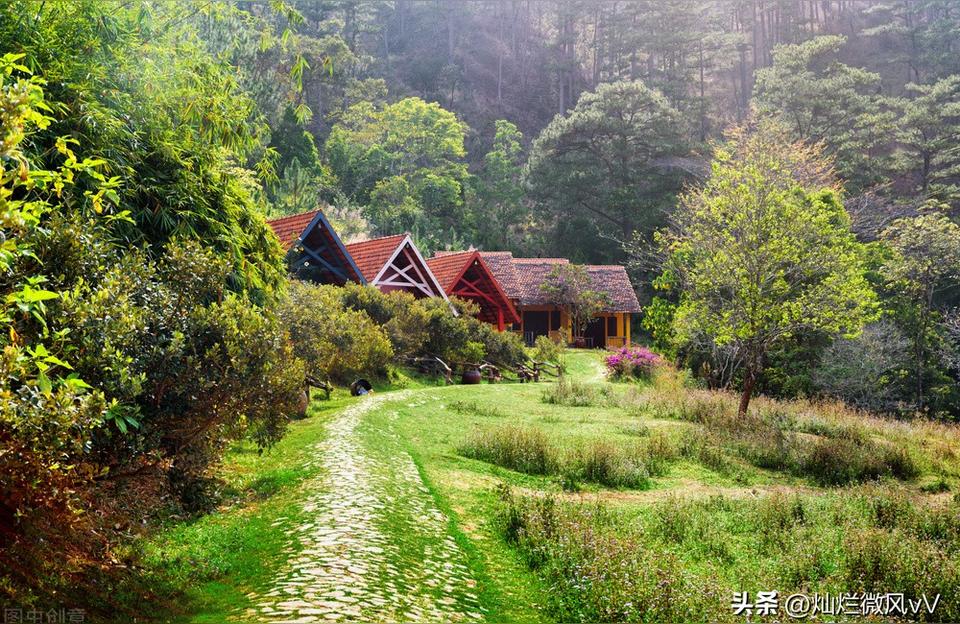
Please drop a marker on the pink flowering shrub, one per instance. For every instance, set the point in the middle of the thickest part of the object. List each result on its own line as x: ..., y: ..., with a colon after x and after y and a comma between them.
x: 632, y: 363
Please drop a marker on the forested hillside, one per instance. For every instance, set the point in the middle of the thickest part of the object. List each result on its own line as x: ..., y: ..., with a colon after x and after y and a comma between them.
x: 572, y: 128
x: 876, y: 81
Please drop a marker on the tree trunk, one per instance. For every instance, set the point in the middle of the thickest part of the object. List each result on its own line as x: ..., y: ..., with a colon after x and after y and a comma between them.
x: 703, y: 101
x: 749, y: 381
x: 754, y: 362
x: 744, y: 80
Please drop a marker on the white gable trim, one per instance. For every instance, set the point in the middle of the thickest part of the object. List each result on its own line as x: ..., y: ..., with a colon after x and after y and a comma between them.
x: 423, y: 263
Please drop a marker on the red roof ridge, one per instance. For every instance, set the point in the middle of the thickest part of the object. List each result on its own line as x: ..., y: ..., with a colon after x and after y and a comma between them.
x: 294, y: 216
x: 379, y: 238
x: 444, y: 253
x: 450, y: 267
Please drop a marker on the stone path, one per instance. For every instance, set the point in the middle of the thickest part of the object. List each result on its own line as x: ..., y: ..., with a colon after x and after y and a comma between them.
x: 374, y: 547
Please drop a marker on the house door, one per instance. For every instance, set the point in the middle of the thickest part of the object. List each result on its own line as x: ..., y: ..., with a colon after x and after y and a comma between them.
x: 535, y: 324
x: 596, y: 333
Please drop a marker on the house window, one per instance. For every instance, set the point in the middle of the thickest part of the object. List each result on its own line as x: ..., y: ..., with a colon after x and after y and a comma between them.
x: 611, y: 326
x: 555, y: 320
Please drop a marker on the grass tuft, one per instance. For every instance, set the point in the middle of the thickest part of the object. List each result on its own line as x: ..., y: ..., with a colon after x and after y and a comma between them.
x: 528, y: 450
x: 572, y: 393
x: 474, y: 408
x: 524, y: 449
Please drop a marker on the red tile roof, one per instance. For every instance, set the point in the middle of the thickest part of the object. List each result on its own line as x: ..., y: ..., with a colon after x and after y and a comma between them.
x: 531, y: 274
x: 551, y: 261
x: 522, y: 278
x: 501, y: 265
x: 613, y: 280
x: 289, y: 229
x: 447, y: 267
x: 371, y: 255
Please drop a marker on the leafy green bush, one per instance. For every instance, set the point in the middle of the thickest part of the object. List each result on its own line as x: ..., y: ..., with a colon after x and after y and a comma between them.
x: 186, y: 364
x: 335, y: 343
x: 44, y: 494
x: 125, y: 366
x: 397, y: 312
x: 47, y: 413
x: 472, y: 352
x: 502, y: 348
x: 545, y: 349
x: 235, y: 376
x: 419, y: 327
x: 184, y: 155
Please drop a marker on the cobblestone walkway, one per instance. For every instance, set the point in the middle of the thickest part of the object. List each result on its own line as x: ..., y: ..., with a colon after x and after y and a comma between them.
x: 374, y: 547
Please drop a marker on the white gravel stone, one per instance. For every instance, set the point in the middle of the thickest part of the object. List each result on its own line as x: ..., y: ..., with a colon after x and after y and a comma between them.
x: 347, y: 567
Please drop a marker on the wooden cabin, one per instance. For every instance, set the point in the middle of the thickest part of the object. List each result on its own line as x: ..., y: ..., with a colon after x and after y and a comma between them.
x: 522, y: 279
x: 465, y: 274
x: 611, y: 327
x: 394, y: 263
x: 314, y: 251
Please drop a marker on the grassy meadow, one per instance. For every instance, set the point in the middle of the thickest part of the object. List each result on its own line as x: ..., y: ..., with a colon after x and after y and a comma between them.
x: 653, y: 502
x: 584, y: 500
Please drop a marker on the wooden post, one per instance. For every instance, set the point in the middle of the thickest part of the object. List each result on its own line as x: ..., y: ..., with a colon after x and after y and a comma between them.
x: 626, y: 322
x: 500, y: 325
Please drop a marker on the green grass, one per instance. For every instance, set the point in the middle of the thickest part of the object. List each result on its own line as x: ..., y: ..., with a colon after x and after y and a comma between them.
x: 208, y: 564
x: 873, y: 538
x: 710, y: 514
x: 508, y: 591
x: 584, y: 365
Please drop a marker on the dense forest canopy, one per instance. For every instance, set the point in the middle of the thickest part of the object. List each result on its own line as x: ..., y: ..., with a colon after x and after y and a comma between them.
x: 444, y: 118
x: 875, y: 81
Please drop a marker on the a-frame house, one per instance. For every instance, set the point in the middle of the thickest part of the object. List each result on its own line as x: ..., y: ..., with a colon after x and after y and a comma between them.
x: 464, y: 274
x: 394, y: 263
x: 314, y: 251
